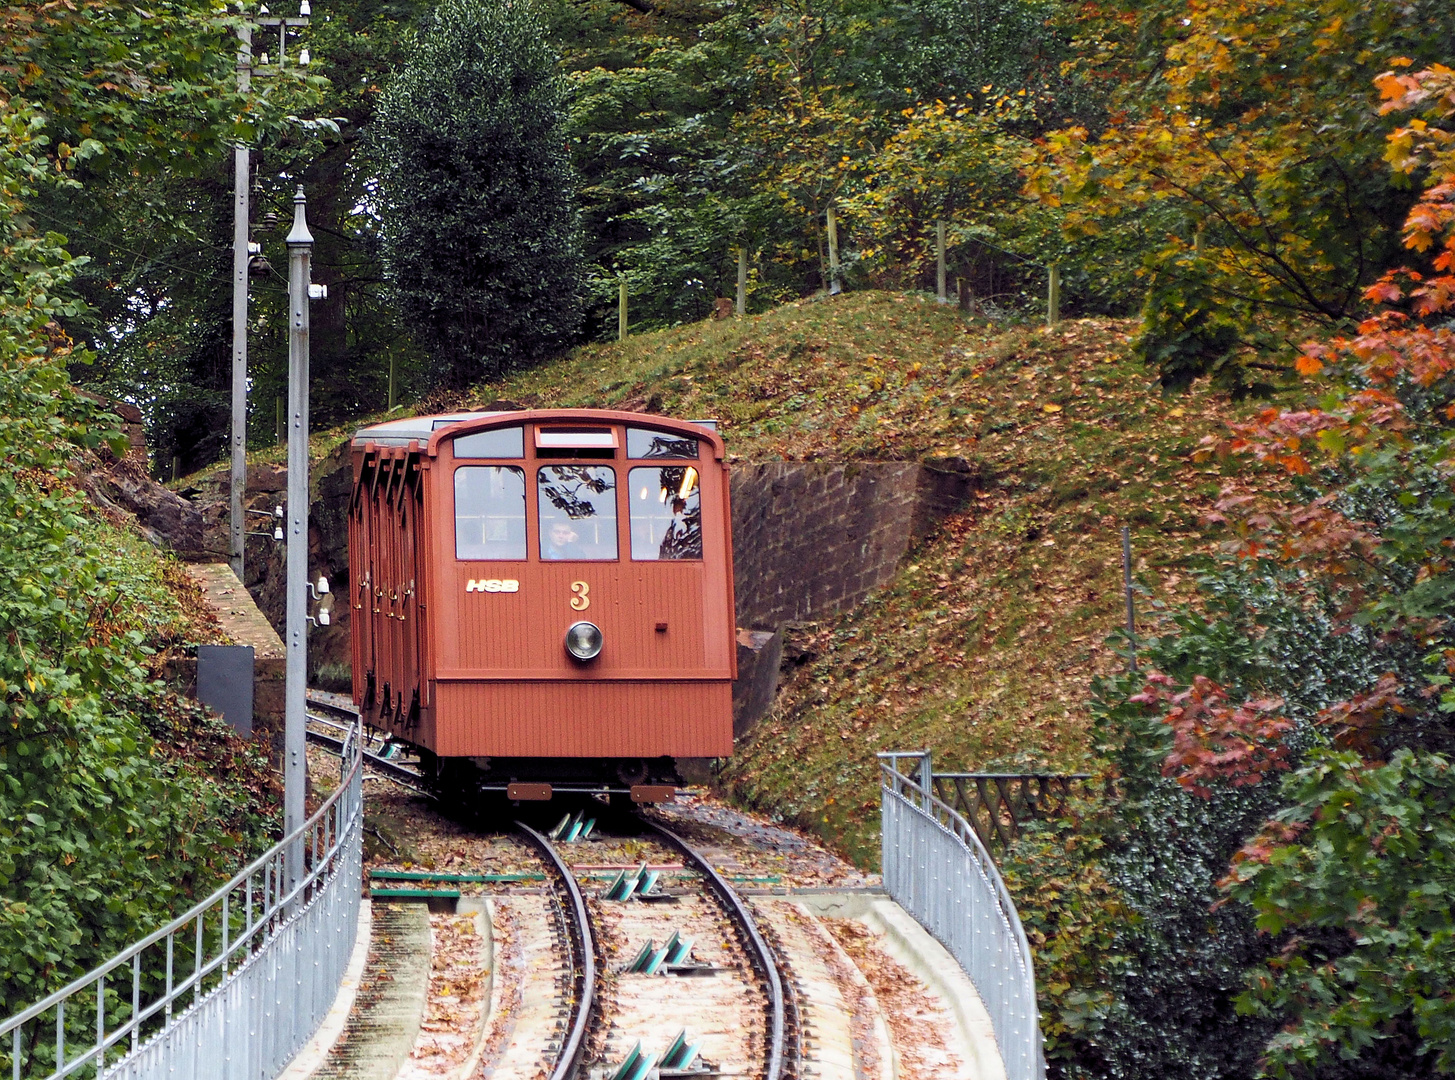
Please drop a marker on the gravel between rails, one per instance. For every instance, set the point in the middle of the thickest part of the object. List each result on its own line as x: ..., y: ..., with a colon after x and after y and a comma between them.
x: 724, y: 1009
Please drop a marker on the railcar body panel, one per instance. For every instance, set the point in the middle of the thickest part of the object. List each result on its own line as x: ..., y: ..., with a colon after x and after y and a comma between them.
x: 476, y: 540
x: 585, y: 720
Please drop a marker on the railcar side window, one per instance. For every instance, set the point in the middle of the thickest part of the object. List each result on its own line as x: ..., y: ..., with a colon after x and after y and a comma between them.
x: 645, y: 443
x: 666, y: 513
x: 578, y: 511
x: 489, y: 512
x: 500, y: 442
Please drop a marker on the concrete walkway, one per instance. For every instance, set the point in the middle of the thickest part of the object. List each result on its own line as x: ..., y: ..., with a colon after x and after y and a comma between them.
x: 913, y: 946
x: 384, y: 1022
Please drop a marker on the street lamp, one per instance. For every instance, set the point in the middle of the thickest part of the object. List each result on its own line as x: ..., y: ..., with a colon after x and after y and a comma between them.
x: 241, y: 256
x: 295, y: 731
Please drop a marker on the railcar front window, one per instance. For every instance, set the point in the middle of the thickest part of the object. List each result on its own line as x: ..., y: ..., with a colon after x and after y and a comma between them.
x: 489, y: 512
x: 497, y: 443
x: 578, y: 511
x: 666, y: 513
x: 645, y: 443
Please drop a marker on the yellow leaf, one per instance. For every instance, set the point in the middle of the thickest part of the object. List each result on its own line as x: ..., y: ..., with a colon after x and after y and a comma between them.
x: 1050, y: 407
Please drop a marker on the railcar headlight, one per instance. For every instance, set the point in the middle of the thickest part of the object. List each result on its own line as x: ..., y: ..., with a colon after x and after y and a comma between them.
x: 583, y: 640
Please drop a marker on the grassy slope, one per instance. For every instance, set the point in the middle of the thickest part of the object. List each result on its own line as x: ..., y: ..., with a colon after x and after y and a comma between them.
x: 985, y: 645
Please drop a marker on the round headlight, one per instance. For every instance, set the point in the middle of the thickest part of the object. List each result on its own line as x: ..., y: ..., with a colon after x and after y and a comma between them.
x: 583, y: 640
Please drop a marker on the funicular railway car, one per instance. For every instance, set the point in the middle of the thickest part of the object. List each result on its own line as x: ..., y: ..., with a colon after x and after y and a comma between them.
x: 543, y: 599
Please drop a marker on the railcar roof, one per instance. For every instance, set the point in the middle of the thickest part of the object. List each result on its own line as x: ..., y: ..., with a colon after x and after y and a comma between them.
x: 412, y: 428
x: 403, y: 432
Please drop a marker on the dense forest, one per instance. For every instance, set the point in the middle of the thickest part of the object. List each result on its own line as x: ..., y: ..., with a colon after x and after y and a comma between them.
x: 1264, y: 888
x: 1219, y: 167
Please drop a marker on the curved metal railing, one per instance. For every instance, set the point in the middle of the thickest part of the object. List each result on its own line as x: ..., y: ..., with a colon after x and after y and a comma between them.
x: 937, y: 869
x: 231, y: 989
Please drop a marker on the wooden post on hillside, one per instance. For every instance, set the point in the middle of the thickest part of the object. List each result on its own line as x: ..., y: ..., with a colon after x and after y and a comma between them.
x: 940, y: 293
x: 280, y: 404
x: 621, y: 309
x: 833, y: 229
x: 1053, y: 295
x: 1127, y: 588
x: 742, y: 305
x: 393, y: 397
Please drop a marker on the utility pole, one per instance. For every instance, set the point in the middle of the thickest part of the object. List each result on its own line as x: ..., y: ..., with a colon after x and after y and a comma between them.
x: 237, y: 525
x: 242, y: 252
x: 295, y: 735
x: 621, y: 309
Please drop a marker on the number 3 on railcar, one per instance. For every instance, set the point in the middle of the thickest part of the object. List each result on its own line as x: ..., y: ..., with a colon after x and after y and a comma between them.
x: 542, y: 600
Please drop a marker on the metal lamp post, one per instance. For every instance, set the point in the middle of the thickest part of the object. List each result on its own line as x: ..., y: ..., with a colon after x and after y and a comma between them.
x: 300, y: 291
x: 242, y: 252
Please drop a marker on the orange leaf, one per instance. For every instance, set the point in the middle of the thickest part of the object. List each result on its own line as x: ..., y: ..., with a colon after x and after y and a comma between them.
x: 1383, y: 292
x: 1308, y: 365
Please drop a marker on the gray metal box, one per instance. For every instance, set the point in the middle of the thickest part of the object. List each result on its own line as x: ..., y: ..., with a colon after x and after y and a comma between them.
x: 225, y: 682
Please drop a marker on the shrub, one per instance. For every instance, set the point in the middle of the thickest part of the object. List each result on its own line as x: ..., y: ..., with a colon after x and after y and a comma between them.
x: 475, y: 192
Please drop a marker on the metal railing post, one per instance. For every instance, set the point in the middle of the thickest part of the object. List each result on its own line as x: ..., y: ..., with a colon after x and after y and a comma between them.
x: 936, y: 867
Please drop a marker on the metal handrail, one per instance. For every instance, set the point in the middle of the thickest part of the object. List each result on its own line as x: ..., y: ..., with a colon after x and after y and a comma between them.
x: 921, y: 890
x: 328, y: 838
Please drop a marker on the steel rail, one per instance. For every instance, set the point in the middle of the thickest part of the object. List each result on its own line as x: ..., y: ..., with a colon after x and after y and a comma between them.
x: 394, y: 771
x: 761, y: 951
x: 586, y: 940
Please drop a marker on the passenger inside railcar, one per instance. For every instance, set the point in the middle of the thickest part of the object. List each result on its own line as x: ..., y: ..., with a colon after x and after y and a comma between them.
x: 580, y: 499
x: 562, y: 542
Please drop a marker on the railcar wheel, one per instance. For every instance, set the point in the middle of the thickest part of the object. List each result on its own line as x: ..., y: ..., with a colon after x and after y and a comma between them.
x: 632, y: 771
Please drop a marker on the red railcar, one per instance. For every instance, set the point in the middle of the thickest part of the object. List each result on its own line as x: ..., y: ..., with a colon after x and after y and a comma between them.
x: 543, y: 599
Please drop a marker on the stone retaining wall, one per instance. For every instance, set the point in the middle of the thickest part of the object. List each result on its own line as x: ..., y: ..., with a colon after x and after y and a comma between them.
x: 813, y: 538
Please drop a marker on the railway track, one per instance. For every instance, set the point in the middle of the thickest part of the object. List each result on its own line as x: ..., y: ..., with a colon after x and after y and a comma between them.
x: 579, y: 939
x: 686, y: 969
x: 579, y: 1006
x: 330, y: 733
x: 762, y: 955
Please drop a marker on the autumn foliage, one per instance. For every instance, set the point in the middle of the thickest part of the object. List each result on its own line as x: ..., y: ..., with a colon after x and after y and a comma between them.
x: 1215, y: 739
x: 1351, y: 878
